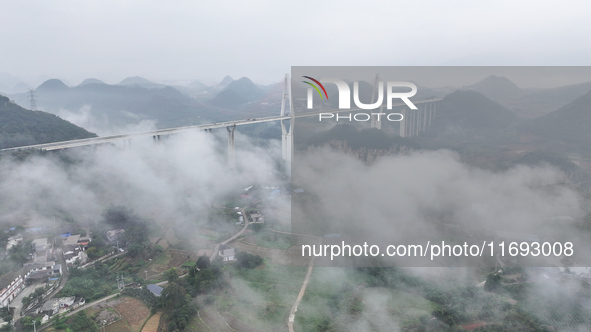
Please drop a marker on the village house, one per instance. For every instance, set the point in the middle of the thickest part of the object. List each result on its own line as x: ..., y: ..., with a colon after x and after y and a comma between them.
x: 226, y: 253
x: 11, y: 289
x: 13, y: 241
x: 113, y: 234
x: 155, y: 289
x: 53, y: 306
x: 43, y: 273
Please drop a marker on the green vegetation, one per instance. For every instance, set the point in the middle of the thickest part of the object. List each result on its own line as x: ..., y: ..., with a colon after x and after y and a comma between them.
x: 176, y: 300
x: 260, y: 297
x: 224, y: 286
x: 269, y: 239
x: 145, y: 296
x: 453, y: 302
x: 36, y: 295
x: 202, y: 262
x: 136, y: 229
x: 29, y: 322
x: 6, y: 328
x: 91, y: 283
x: 569, y: 124
x: 338, y: 297
x: 81, y: 322
x: 98, y: 247
x: 493, y: 282
x: 15, y: 257
x: 20, y: 126
x: 6, y: 315
x: 366, y: 138
x: 171, y: 275
x: 205, y: 280
x: 20, y: 252
x: 237, y: 93
x: 59, y: 322
x: 135, y: 239
x: 177, y: 306
x: 247, y: 261
x: 108, y: 100
x: 469, y: 112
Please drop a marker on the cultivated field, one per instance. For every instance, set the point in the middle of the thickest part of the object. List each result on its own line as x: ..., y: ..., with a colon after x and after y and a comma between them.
x: 345, y: 295
x: 131, y: 314
x: 166, y: 260
x: 134, y: 312
x: 152, y: 323
x: 257, y: 299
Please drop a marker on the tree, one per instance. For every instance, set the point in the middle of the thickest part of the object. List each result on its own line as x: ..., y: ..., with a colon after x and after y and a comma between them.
x: 179, y: 319
x: 136, y: 229
x: 135, y: 249
x: 20, y: 253
x: 203, y: 262
x: 493, y: 281
x: 256, y: 227
x: 118, y: 216
x: 171, y: 275
x: 173, y: 297
x: 81, y: 322
x: 59, y: 322
x: 6, y: 328
x: 29, y: 322
x: 248, y: 261
x: 6, y: 315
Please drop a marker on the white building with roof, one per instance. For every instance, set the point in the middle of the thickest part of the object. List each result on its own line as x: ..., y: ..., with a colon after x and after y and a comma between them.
x: 13, y: 241
x: 226, y: 253
x: 41, y: 245
x: 8, y: 293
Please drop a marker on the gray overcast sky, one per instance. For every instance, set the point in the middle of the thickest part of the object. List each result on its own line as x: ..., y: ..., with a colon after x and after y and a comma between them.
x: 159, y: 40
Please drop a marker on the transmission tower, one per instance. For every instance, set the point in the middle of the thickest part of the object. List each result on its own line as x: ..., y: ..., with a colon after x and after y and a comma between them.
x: 33, y: 100
x: 120, y: 282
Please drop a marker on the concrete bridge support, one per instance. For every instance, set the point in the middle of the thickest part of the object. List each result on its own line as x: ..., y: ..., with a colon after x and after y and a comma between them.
x: 287, y: 131
x: 374, y: 119
x: 416, y: 121
x: 231, y: 147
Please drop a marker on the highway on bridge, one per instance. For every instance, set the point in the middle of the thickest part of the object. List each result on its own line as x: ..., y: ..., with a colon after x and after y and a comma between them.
x: 178, y: 130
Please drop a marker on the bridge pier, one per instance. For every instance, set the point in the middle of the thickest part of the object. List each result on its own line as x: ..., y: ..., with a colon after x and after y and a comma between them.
x: 416, y: 121
x: 287, y: 132
x: 402, y: 124
x: 374, y: 120
x: 231, y: 147
x: 424, y: 118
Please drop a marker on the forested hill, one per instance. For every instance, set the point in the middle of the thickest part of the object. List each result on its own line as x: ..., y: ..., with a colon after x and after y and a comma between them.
x: 571, y: 123
x: 19, y: 126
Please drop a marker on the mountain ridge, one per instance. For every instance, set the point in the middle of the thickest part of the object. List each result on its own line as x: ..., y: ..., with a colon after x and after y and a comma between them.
x: 20, y: 126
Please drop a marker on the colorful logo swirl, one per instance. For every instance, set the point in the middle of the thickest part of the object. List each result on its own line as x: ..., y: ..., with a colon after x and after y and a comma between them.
x: 315, y: 87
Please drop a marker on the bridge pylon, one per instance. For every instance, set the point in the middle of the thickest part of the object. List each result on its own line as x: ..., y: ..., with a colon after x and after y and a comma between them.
x: 287, y: 132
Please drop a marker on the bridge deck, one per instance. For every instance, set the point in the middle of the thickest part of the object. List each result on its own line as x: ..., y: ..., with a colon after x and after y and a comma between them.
x: 169, y: 131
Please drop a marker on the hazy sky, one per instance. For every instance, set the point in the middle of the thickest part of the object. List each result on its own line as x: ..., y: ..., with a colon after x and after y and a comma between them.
x: 111, y: 40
